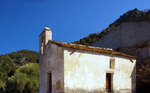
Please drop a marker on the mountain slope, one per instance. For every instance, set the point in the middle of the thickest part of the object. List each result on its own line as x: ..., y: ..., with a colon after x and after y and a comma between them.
x: 130, y: 16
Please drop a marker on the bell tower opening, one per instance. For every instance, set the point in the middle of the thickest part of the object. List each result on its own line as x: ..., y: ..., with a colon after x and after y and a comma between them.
x: 42, y: 45
x: 45, y: 36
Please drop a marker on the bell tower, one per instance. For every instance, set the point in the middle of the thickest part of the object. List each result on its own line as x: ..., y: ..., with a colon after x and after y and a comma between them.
x: 44, y: 37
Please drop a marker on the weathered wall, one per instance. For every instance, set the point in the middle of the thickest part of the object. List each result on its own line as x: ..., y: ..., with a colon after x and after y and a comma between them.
x: 85, y: 72
x: 131, y: 33
x: 52, y: 61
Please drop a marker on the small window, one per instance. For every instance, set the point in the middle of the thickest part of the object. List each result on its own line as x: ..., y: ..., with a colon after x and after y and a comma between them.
x: 58, y: 85
x: 112, y: 63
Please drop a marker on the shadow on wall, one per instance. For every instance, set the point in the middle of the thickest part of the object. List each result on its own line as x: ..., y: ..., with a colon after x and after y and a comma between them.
x: 133, y: 78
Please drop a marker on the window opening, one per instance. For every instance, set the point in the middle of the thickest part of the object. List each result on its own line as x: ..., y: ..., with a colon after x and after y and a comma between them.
x: 112, y: 63
x: 58, y: 85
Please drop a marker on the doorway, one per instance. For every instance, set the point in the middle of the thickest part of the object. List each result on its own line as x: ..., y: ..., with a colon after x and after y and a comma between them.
x: 49, y: 82
x: 108, y: 82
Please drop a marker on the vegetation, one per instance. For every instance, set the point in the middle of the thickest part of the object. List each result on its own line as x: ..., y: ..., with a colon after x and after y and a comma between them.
x: 24, y: 56
x: 19, y: 72
x: 25, y: 79
x: 130, y: 16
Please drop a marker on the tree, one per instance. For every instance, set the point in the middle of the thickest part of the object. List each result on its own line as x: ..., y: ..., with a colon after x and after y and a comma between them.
x: 25, y: 80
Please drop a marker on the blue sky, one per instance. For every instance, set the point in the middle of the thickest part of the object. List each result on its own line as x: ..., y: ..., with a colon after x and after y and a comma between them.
x: 21, y: 21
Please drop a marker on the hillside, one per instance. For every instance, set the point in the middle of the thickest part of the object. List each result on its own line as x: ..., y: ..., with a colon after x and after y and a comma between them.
x: 24, y: 56
x: 130, y: 16
x: 19, y: 69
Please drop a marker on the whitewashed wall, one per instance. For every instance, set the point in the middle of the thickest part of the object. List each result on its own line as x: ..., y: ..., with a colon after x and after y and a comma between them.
x: 86, y: 72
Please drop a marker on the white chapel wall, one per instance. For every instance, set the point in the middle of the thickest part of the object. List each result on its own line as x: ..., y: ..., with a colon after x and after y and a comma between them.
x: 86, y: 72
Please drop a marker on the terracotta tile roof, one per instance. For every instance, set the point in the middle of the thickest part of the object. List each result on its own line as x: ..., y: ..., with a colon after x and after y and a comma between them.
x: 93, y: 49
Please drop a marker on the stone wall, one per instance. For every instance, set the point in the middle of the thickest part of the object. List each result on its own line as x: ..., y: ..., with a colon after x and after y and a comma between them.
x: 125, y: 35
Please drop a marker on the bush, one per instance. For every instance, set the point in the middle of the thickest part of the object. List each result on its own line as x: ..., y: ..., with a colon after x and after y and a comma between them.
x: 25, y: 80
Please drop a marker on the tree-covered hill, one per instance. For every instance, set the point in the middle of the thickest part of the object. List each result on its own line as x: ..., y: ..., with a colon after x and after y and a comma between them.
x: 19, y: 72
x: 21, y: 57
x: 130, y: 16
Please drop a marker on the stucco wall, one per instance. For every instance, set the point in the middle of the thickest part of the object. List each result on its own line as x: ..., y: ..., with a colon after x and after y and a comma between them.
x: 52, y: 61
x: 131, y: 33
x: 86, y: 72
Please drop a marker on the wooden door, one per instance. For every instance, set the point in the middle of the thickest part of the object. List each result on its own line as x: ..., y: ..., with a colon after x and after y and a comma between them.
x: 50, y: 82
x: 108, y: 82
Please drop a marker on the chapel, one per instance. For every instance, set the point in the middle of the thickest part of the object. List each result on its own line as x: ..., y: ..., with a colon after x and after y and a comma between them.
x: 72, y: 68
